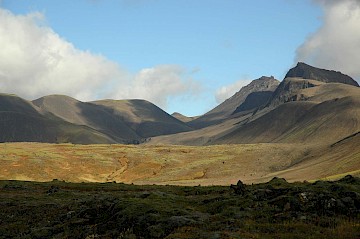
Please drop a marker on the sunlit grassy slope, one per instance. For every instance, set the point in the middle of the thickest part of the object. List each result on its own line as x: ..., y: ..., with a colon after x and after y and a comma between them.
x: 180, y: 165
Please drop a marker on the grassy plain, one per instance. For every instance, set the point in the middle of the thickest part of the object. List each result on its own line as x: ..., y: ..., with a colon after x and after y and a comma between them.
x: 161, y: 205
x: 175, y: 165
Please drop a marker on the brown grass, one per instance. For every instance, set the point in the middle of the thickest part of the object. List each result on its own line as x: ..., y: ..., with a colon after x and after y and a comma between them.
x: 179, y: 165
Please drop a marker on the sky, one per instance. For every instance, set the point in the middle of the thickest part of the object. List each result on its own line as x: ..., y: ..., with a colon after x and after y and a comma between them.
x: 182, y: 55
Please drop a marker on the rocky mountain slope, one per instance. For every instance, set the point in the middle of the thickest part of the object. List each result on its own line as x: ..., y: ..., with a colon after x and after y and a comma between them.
x: 298, y: 111
x: 227, y: 108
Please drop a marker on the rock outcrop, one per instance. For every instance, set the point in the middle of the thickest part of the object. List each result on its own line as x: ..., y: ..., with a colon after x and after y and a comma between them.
x: 302, y: 70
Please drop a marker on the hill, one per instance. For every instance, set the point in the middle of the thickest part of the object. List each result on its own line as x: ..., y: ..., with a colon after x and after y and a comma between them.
x: 21, y: 121
x: 60, y: 118
x: 90, y: 115
x: 145, y: 118
x: 183, y: 118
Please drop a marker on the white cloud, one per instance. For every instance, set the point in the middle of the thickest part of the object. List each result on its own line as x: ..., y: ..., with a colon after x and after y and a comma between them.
x: 226, y: 92
x: 336, y: 44
x: 164, y: 80
x: 35, y: 61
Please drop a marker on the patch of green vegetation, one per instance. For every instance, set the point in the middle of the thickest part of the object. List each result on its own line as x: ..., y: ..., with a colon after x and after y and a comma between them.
x: 276, y: 209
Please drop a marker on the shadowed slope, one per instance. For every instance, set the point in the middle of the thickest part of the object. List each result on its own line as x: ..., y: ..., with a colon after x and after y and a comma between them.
x: 254, y: 100
x: 21, y: 121
x: 145, y: 118
x: 320, y: 118
x: 226, y: 109
x: 270, y: 126
x: 91, y: 115
x: 332, y: 162
x: 59, y: 118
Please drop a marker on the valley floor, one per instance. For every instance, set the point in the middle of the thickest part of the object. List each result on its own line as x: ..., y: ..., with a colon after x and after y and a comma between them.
x: 178, y: 165
x: 63, y: 201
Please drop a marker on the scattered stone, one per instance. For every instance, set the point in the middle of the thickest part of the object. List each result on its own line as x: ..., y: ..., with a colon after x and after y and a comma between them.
x: 287, y: 206
x: 145, y: 194
x: 263, y: 194
x: 180, y: 221
x: 239, y: 188
x: 70, y: 214
x: 349, y: 179
x: 52, y: 190
x: 304, y: 197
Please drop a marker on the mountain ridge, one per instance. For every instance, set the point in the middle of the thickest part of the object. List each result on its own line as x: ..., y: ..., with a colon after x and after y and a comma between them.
x: 60, y: 118
x: 266, y: 110
x: 291, y: 114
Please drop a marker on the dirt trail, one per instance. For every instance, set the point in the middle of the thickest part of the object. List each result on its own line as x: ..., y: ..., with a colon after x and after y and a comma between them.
x: 124, y: 163
x: 180, y: 165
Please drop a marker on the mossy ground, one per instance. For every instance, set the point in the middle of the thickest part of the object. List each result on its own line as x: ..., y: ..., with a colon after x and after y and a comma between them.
x: 276, y: 209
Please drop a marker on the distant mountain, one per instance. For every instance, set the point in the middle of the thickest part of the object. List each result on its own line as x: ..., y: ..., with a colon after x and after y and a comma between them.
x: 59, y: 118
x: 302, y: 70
x: 21, y: 121
x: 304, y: 76
x: 229, y: 106
x: 91, y: 115
x: 298, y: 111
x: 310, y: 105
x: 302, y: 122
x: 145, y: 118
x: 183, y: 118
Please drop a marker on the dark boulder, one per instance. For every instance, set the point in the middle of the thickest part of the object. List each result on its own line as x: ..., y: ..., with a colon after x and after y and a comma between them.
x: 239, y: 188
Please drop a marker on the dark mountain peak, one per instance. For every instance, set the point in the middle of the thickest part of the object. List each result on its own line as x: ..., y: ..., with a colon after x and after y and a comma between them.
x: 269, y: 79
x: 305, y: 71
x: 264, y: 83
x: 266, y: 78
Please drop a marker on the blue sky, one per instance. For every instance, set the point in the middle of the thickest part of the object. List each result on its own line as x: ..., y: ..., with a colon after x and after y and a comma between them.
x: 183, y: 55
